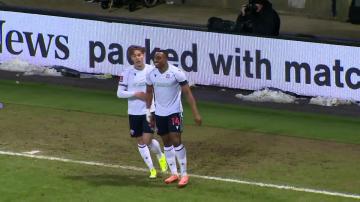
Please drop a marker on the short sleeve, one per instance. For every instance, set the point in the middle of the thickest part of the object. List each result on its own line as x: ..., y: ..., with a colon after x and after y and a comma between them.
x: 148, y: 79
x: 180, y: 76
x: 123, y: 78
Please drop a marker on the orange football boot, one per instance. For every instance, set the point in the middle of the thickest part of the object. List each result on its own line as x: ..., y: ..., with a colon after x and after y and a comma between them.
x: 183, y: 181
x: 171, y: 179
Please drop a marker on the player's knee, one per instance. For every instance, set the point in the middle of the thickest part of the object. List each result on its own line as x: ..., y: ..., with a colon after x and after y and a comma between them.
x: 167, y: 142
x: 175, y: 139
x: 167, y: 145
x: 148, y: 142
x: 176, y: 142
x: 140, y: 141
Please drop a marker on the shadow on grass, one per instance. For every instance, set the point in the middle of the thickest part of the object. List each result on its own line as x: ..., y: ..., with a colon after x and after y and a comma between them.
x: 119, y: 180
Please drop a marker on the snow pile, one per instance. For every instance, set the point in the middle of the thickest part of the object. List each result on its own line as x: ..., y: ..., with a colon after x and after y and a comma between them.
x: 277, y: 96
x: 17, y: 66
x: 95, y: 76
x: 328, y: 101
x: 267, y: 95
x: 43, y: 72
x: 28, y: 69
x: 191, y: 83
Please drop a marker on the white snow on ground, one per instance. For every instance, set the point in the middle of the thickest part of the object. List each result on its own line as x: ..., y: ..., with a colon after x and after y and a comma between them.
x: 329, y: 102
x: 96, y: 76
x: 28, y: 69
x: 267, y: 95
x: 43, y: 72
x: 17, y: 66
x: 191, y: 83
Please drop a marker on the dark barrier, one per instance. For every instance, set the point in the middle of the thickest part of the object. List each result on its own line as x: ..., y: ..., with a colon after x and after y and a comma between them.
x: 176, y: 25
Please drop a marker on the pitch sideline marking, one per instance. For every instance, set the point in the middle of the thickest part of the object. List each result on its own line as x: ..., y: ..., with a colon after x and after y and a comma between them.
x: 260, y: 184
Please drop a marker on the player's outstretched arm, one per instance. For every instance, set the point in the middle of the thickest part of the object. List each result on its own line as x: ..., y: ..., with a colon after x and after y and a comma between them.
x: 191, y: 100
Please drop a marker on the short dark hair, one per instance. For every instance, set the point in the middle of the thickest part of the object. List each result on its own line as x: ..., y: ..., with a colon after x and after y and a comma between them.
x: 163, y: 51
x: 133, y: 48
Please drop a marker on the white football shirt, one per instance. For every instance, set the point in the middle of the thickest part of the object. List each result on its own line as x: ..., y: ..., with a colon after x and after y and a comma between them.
x: 135, y: 81
x: 167, y: 90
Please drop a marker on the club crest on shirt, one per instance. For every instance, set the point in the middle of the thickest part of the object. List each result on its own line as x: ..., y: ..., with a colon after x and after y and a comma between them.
x: 167, y: 76
x: 132, y: 132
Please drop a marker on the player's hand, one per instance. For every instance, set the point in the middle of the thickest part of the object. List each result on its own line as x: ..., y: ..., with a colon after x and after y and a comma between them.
x: 148, y: 116
x: 198, y: 120
x: 140, y: 95
x: 152, y: 122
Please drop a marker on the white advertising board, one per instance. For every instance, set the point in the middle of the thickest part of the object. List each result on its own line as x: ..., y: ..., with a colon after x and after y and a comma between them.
x: 225, y: 60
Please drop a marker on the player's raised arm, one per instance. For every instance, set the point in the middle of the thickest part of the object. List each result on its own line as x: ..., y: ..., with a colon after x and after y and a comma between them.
x: 191, y: 100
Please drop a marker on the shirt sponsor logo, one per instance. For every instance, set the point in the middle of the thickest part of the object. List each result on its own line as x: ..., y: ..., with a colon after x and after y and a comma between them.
x: 139, y: 84
x: 158, y: 84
